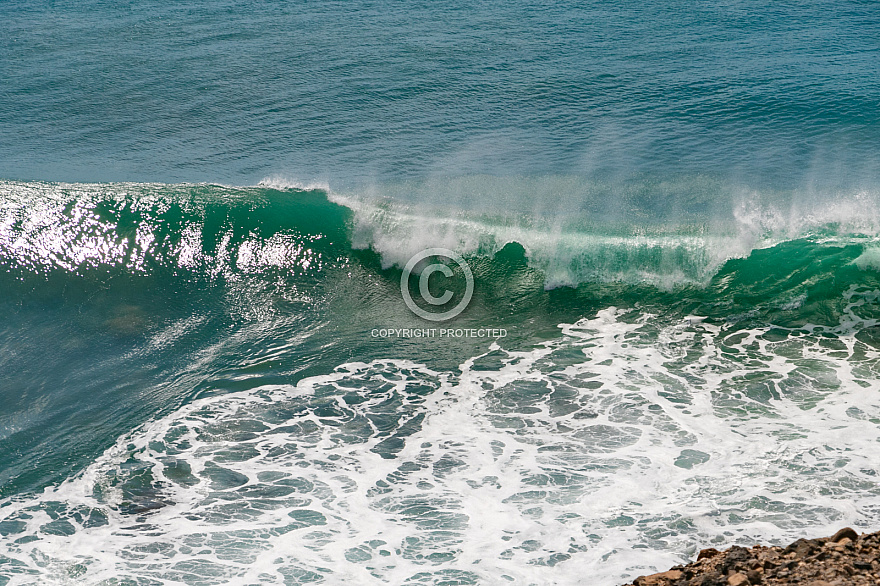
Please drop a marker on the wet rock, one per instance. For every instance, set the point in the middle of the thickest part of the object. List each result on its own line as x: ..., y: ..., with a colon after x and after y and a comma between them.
x: 710, y: 579
x: 845, y: 559
x: 709, y: 552
x: 661, y: 579
x: 844, y: 533
x: 736, y: 558
x: 802, y: 548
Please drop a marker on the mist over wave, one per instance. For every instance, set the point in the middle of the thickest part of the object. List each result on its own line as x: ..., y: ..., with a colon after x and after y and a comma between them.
x: 663, y: 232
x: 564, y: 226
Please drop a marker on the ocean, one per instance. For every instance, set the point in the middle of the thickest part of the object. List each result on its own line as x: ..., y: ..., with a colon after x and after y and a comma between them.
x: 433, y: 293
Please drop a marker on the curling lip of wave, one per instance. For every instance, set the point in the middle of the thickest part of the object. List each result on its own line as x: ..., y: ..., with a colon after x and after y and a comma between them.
x: 286, y: 223
x: 571, y: 249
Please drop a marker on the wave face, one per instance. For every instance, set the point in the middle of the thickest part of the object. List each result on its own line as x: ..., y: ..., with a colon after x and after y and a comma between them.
x: 77, y: 240
x: 573, y: 232
x: 194, y: 391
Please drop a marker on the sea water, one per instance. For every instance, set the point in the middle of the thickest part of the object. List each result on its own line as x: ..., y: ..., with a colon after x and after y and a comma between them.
x: 210, y: 374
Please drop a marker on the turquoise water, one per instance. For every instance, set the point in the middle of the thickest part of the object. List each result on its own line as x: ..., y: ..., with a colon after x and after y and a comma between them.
x: 211, y: 376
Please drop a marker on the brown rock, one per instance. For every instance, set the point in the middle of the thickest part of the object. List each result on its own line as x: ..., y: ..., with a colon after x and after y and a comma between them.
x: 710, y: 579
x: 803, y: 548
x: 845, y: 532
x: 736, y: 559
x: 709, y: 552
x: 836, y: 561
x: 661, y: 579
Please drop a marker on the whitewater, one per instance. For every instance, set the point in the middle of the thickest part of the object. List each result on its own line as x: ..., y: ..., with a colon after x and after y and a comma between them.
x: 737, y: 409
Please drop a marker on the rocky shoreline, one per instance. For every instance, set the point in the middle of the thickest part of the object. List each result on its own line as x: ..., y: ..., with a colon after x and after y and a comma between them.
x: 844, y: 559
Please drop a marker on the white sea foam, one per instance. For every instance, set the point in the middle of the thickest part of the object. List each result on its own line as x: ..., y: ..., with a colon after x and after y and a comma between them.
x: 617, y: 449
x: 844, y: 214
x: 567, y: 257
x: 285, y: 182
x: 572, y: 246
x: 869, y: 259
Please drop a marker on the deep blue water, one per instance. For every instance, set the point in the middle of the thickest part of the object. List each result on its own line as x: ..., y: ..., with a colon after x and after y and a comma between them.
x: 369, y: 92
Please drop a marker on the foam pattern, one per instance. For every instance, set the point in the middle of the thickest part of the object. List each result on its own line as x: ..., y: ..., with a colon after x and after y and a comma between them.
x: 617, y: 449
